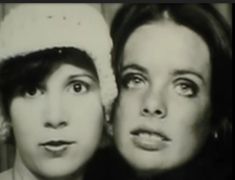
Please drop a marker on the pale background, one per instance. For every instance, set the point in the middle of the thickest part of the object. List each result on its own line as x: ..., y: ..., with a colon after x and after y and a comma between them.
x: 108, y: 10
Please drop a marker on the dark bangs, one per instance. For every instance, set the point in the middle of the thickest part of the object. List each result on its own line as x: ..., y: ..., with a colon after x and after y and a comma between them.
x: 31, y: 70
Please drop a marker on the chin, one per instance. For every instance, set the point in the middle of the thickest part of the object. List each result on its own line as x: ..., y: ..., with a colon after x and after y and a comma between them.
x: 145, y: 168
x: 149, y: 171
x: 148, y: 167
x: 59, y: 171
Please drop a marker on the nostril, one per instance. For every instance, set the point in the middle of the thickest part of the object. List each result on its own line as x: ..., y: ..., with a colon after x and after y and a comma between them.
x: 158, y: 112
x: 146, y: 111
x: 56, y: 125
x: 48, y: 125
x: 63, y: 124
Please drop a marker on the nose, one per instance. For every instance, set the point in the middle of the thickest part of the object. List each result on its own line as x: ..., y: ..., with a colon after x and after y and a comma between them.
x: 154, y: 104
x: 54, y: 113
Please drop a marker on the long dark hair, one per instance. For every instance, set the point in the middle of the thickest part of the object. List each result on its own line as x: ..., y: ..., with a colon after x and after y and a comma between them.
x: 208, y: 23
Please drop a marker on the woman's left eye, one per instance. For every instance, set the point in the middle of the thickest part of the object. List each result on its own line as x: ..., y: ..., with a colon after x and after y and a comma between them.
x: 78, y: 87
x: 186, y: 88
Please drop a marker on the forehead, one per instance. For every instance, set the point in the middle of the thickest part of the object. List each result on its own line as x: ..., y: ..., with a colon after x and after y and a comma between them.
x: 165, y: 41
x: 65, y: 71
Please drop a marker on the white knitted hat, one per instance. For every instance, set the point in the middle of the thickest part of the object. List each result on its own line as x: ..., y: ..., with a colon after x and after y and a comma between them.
x: 33, y: 27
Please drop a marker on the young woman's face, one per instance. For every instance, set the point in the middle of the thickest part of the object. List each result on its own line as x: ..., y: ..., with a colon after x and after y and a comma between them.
x: 58, y: 125
x: 163, y: 112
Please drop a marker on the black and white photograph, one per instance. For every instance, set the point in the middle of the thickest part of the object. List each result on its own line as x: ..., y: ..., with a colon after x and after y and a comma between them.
x: 116, y: 91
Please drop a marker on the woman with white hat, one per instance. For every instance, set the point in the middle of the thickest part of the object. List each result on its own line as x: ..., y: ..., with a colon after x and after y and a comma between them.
x: 56, y: 87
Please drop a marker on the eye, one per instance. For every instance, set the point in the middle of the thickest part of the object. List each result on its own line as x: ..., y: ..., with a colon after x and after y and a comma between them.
x: 186, y: 88
x: 78, y: 87
x: 32, y: 92
x: 133, y: 81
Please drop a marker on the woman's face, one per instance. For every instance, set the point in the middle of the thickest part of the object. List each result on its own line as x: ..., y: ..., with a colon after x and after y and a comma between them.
x: 162, y: 115
x: 58, y: 125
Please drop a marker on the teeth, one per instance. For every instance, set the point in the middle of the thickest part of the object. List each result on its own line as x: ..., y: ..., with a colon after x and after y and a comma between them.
x: 149, y: 136
x: 55, y: 148
x: 144, y: 135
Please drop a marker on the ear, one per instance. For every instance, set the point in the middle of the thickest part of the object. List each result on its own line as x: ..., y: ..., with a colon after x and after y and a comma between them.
x: 4, y: 126
x: 109, y: 128
x: 107, y: 117
x: 106, y: 139
x: 223, y: 129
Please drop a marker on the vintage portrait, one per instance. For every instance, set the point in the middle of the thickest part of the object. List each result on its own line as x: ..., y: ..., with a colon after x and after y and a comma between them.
x: 115, y: 91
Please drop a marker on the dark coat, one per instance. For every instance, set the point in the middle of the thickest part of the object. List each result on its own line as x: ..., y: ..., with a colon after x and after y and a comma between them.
x: 214, y: 163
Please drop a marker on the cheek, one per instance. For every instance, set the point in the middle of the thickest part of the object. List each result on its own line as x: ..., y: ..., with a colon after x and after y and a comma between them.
x: 86, y: 116
x: 88, y: 128
x: 193, y: 113
x: 126, y: 111
x: 189, y: 130
x: 191, y: 124
x: 130, y: 102
x: 23, y: 129
x: 23, y: 117
x: 201, y: 126
x: 87, y: 107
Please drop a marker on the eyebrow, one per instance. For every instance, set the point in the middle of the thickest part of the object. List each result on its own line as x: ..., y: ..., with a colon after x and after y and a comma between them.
x: 183, y: 72
x: 135, y: 67
x: 83, y: 75
x: 177, y: 72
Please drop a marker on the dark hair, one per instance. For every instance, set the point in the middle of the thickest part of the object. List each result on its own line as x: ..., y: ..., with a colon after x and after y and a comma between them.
x: 208, y: 23
x: 20, y: 72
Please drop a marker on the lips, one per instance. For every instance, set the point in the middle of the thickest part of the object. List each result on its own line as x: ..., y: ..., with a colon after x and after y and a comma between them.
x: 149, y: 139
x: 56, y: 146
x: 56, y: 143
x: 151, y: 133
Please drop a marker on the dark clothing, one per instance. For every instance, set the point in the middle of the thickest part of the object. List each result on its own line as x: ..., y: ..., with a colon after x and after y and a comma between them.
x: 107, y: 164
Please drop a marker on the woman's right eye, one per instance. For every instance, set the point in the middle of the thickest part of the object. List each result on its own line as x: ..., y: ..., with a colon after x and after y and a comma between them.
x: 133, y: 81
x: 78, y: 87
x: 32, y: 92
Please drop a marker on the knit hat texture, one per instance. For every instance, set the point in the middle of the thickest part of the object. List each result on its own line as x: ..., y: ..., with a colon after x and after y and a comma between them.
x: 33, y: 27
